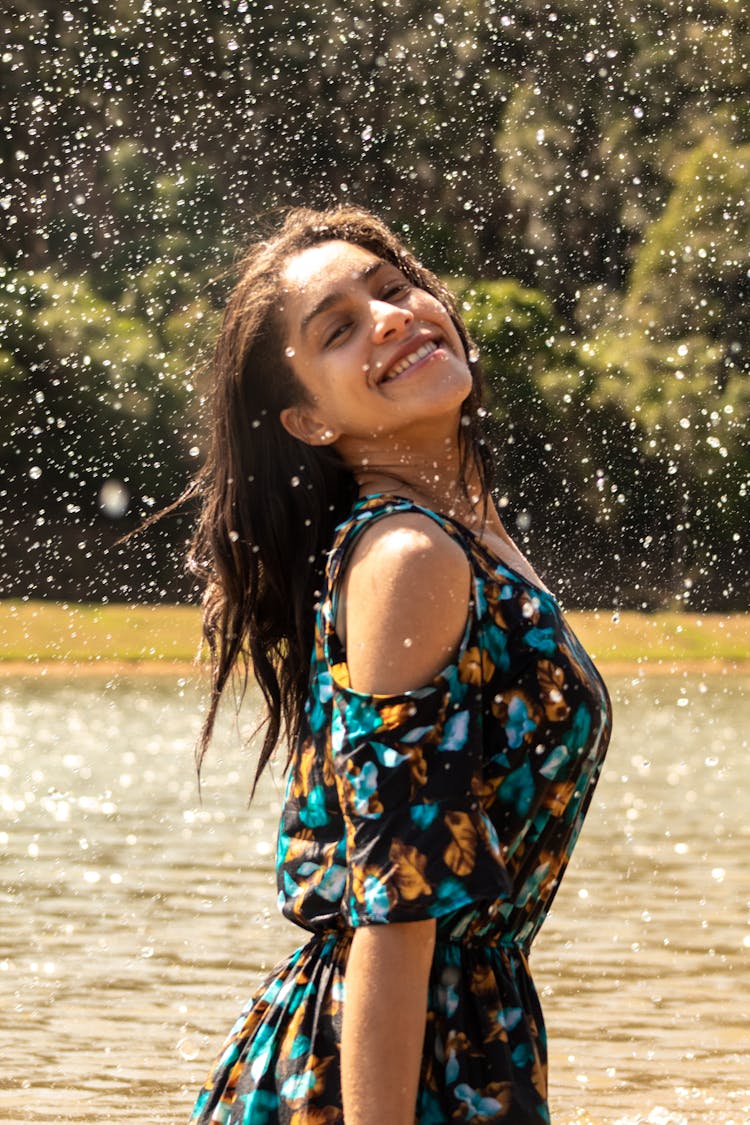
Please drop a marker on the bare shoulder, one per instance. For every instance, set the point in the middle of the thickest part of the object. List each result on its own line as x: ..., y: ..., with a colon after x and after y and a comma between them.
x: 404, y: 603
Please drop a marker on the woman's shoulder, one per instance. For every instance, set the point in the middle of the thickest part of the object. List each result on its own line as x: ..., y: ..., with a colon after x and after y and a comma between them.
x: 408, y: 539
x: 404, y: 600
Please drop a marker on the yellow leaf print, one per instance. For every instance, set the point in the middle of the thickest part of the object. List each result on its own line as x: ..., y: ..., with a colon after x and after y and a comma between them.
x: 329, y: 773
x: 408, y: 870
x: 340, y: 674
x: 359, y: 877
x: 295, y: 1025
x: 501, y: 1092
x: 552, y: 681
x: 351, y: 834
x: 310, y: 1115
x: 394, y: 714
x: 483, y: 981
x: 457, y: 1041
x: 306, y: 762
x: 501, y: 705
x: 485, y: 791
x: 310, y: 1082
x: 299, y: 845
x: 494, y: 604
x: 417, y: 767
x: 461, y: 853
x: 558, y: 797
x: 551, y: 862
x: 475, y: 666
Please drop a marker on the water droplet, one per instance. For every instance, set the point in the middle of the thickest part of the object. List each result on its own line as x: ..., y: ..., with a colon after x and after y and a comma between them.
x: 289, y: 353
x: 188, y: 1048
x: 294, y: 482
x: 35, y: 472
x: 113, y: 499
x: 234, y: 536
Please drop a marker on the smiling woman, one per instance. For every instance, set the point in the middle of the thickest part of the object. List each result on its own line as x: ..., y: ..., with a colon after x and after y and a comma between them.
x: 444, y: 727
x: 359, y: 336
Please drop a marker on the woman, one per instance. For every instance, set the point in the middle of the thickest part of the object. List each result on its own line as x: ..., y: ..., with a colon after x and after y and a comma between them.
x: 445, y: 727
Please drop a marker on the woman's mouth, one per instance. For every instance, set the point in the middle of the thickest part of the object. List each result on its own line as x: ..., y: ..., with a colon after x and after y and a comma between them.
x: 409, y: 360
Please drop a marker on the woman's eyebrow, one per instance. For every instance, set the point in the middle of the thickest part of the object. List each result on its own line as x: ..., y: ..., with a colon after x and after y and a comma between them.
x: 339, y: 294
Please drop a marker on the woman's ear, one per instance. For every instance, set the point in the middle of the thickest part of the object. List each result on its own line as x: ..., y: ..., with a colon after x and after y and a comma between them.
x: 304, y: 426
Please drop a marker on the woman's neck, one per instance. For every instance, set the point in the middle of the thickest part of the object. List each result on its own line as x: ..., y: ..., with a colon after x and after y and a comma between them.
x: 432, y: 484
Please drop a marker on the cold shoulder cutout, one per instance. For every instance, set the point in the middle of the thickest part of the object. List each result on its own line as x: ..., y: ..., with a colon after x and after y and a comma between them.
x: 408, y: 594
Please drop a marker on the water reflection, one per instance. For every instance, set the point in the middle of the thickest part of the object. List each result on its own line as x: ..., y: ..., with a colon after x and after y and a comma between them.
x: 136, y: 921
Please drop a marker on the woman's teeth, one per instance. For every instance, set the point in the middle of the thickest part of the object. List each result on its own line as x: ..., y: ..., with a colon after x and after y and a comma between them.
x: 409, y: 359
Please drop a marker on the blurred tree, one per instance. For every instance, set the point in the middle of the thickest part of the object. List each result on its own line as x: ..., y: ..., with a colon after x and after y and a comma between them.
x: 594, y: 152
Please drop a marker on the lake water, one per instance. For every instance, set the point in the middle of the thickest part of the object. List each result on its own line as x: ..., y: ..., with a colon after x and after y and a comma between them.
x: 135, y: 922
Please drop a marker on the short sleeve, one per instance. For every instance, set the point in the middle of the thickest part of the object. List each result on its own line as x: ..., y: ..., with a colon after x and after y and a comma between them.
x: 408, y: 770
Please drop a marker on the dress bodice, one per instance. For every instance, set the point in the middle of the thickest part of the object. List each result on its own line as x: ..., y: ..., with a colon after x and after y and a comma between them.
x: 461, y: 800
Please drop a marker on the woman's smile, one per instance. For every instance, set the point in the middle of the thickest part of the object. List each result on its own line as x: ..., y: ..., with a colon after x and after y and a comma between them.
x: 414, y: 358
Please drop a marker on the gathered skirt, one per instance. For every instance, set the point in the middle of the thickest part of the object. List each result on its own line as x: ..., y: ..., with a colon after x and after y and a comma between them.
x: 484, y: 1057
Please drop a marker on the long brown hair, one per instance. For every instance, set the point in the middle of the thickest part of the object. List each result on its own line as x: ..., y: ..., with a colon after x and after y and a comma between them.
x: 270, y: 503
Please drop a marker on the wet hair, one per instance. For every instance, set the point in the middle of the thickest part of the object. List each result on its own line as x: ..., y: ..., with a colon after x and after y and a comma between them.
x: 269, y: 503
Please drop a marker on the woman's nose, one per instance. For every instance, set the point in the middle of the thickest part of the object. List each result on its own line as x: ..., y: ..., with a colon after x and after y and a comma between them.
x: 389, y: 320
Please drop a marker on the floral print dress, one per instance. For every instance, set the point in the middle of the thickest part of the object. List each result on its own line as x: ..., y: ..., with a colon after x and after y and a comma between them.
x: 459, y: 801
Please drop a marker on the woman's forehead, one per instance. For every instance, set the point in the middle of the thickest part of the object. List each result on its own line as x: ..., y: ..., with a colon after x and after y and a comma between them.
x: 327, y: 265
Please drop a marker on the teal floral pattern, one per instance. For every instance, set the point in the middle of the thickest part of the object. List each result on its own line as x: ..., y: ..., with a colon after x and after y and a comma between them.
x: 460, y: 801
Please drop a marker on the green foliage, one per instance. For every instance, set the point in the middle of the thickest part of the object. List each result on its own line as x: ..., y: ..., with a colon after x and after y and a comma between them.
x: 584, y: 168
x: 690, y: 277
x: 91, y: 384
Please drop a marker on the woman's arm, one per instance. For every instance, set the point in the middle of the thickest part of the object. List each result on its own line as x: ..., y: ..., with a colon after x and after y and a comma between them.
x: 405, y: 601
x: 384, y: 1021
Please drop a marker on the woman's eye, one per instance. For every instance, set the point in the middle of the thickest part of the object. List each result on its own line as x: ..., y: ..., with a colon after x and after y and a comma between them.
x: 396, y: 289
x: 336, y: 334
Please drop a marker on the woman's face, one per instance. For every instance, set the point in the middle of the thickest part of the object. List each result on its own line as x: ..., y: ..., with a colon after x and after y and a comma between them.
x: 376, y: 356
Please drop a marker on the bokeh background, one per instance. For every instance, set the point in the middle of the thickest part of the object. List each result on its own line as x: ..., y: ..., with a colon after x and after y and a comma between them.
x: 580, y: 170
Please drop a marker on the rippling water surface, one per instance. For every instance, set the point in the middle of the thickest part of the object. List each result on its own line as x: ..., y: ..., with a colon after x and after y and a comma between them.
x: 135, y: 921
